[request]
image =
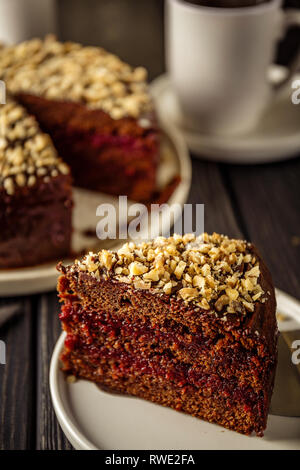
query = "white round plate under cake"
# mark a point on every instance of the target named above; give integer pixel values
(275, 137)
(94, 419)
(175, 160)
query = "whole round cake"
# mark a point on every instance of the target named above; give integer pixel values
(72, 112)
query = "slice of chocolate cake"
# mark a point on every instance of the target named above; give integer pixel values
(35, 193)
(96, 109)
(185, 322)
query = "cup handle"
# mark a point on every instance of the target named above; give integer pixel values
(291, 17)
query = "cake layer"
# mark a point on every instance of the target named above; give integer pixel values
(222, 356)
(128, 361)
(105, 154)
(227, 411)
(36, 223)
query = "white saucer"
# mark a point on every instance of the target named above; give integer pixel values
(94, 419)
(276, 136)
(175, 160)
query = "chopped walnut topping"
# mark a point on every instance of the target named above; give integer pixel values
(136, 268)
(168, 288)
(179, 269)
(27, 155)
(254, 272)
(152, 275)
(222, 300)
(107, 259)
(188, 293)
(249, 306)
(232, 294)
(138, 284)
(69, 71)
(212, 272)
(199, 281)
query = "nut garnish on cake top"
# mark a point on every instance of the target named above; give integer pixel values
(71, 72)
(212, 272)
(26, 153)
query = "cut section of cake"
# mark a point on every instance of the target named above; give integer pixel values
(35, 193)
(96, 108)
(187, 322)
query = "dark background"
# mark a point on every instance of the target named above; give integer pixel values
(116, 25)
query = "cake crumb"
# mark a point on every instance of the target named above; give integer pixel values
(71, 379)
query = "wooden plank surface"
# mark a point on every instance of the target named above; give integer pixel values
(268, 201)
(17, 376)
(208, 188)
(49, 434)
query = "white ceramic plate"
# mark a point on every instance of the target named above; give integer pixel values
(175, 160)
(94, 419)
(276, 136)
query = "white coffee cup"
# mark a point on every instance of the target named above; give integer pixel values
(24, 19)
(218, 60)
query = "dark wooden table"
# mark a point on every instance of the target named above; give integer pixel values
(260, 203)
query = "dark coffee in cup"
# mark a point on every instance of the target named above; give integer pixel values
(226, 3)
